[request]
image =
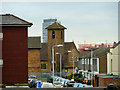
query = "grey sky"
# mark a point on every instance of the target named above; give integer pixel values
(94, 22)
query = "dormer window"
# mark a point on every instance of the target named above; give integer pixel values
(53, 34)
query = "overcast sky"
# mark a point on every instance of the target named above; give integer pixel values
(94, 22)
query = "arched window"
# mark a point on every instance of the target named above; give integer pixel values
(53, 34)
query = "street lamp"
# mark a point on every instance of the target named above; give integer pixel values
(73, 60)
(60, 63)
(53, 57)
(91, 64)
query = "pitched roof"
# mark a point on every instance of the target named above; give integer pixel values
(11, 20)
(116, 44)
(97, 53)
(34, 42)
(44, 52)
(55, 26)
(67, 47)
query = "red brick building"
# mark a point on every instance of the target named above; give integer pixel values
(14, 49)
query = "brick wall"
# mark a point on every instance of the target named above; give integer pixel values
(33, 60)
(56, 41)
(15, 55)
(104, 82)
(103, 64)
(47, 67)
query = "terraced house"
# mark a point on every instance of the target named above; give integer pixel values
(96, 65)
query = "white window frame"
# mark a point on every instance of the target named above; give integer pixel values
(1, 36)
(85, 61)
(91, 61)
(88, 61)
(82, 61)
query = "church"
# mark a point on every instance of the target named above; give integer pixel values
(56, 35)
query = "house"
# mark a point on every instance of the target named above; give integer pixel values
(14, 49)
(113, 60)
(56, 36)
(97, 66)
(113, 69)
(34, 46)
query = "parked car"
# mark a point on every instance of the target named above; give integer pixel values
(50, 80)
(32, 83)
(88, 86)
(47, 85)
(58, 84)
(65, 83)
(82, 85)
(77, 84)
(70, 83)
(31, 78)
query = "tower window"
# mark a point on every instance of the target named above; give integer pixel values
(53, 34)
(61, 34)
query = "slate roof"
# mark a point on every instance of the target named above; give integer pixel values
(97, 53)
(67, 47)
(11, 20)
(44, 52)
(34, 42)
(116, 44)
(55, 26)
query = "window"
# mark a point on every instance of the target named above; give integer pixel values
(91, 61)
(43, 66)
(1, 36)
(71, 59)
(85, 61)
(61, 34)
(94, 61)
(53, 34)
(82, 61)
(88, 61)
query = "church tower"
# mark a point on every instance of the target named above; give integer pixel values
(55, 37)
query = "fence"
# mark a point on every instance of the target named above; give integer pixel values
(46, 75)
(55, 89)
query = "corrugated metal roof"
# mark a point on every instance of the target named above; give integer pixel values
(34, 42)
(55, 25)
(11, 20)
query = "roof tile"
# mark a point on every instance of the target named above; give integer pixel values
(55, 25)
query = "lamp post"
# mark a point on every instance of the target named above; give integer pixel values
(91, 64)
(53, 57)
(91, 67)
(60, 63)
(73, 61)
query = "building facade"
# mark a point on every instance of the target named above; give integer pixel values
(56, 35)
(46, 23)
(14, 49)
(34, 46)
(96, 65)
(113, 60)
